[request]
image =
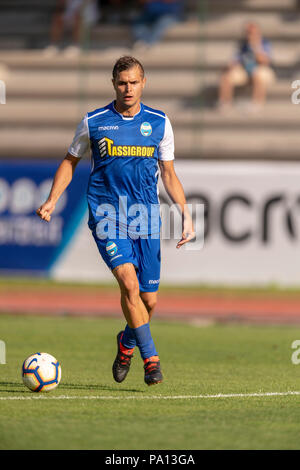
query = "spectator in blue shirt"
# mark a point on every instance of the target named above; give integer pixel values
(252, 64)
(156, 17)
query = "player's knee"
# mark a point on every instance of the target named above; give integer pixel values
(150, 304)
(130, 288)
(126, 277)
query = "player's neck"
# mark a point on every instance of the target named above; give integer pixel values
(127, 111)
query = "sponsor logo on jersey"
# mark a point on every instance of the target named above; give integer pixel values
(146, 129)
(111, 248)
(107, 147)
(102, 147)
(154, 281)
(108, 128)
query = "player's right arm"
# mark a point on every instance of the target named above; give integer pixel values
(61, 181)
(79, 148)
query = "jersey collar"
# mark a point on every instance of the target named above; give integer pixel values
(126, 118)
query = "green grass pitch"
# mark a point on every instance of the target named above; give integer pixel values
(196, 361)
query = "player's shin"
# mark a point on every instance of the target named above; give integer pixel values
(145, 341)
(149, 354)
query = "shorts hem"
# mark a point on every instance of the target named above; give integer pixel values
(123, 261)
(153, 288)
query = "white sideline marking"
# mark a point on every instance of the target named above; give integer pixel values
(154, 397)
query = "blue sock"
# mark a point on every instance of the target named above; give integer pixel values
(128, 339)
(144, 341)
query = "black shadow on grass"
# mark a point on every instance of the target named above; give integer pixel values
(14, 387)
(91, 387)
(17, 385)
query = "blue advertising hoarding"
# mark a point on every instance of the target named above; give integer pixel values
(27, 243)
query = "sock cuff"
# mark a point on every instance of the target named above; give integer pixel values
(144, 341)
(128, 339)
(125, 350)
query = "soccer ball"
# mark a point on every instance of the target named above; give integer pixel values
(41, 372)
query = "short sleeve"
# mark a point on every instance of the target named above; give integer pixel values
(166, 146)
(80, 146)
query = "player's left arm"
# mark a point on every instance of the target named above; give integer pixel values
(175, 191)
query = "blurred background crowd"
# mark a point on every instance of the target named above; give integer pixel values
(228, 65)
(149, 19)
(221, 69)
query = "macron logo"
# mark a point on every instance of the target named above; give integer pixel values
(108, 128)
(154, 281)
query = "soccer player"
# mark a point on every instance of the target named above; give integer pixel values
(128, 141)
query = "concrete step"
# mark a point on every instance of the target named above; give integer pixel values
(44, 114)
(97, 85)
(36, 35)
(274, 116)
(160, 56)
(273, 26)
(217, 54)
(251, 5)
(209, 55)
(247, 144)
(21, 5)
(25, 18)
(189, 143)
(245, 5)
(198, 28)
(52, 84)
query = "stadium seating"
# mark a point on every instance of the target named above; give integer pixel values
(46, 97)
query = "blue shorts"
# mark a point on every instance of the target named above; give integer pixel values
(143, 253)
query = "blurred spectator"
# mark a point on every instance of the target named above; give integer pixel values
(115, 9)
(155, 18)
(251, 65)
(71, 16)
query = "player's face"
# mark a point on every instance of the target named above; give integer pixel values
(129, 87)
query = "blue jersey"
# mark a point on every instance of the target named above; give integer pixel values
(124, 177)
(158, 8)
(247, 56)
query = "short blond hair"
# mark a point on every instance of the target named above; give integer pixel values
(125, 63)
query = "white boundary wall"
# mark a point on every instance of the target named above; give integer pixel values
(253, 229)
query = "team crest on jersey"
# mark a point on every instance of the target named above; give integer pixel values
(111, 248)
(146, 129)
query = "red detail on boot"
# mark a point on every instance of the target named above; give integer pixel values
(151, 359)
(124, 350)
